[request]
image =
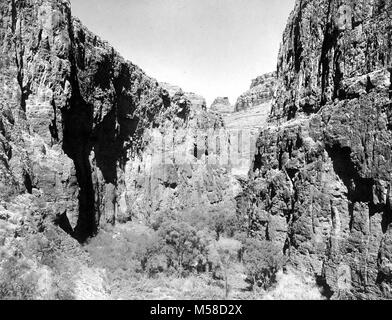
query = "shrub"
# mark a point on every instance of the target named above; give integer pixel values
(17, 280)
(292, 285)
(183, 246)
(46, 249)
(219, 220)
(150, 255)
(223, 221)
(157, 220)
(116, 254)
(262, 260)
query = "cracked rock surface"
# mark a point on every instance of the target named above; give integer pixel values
(320, 184)
(76, 119)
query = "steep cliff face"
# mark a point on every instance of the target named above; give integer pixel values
(261, 91)
(245, 120)
(321, 177)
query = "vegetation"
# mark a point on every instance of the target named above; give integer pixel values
(37, 268)
(292, 285)
(17, 280)
(208, 246)
(199, 255)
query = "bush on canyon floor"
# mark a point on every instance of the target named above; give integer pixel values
(176, 248)
(224, 222)
(47, 249)
(293, 285)
(184, 247)
(117, 252)
(263, 260)
(220, 220)
(17, 280)
(227, 250)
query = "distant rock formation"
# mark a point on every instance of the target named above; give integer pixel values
(261, 91)
(222, 105)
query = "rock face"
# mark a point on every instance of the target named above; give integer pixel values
(75, 119)
(261, 91)
(321, 177)
(184, 166)
(222, 105)
(247, 119)
(88, 139)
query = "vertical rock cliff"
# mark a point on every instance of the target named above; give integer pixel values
(222, 105)
(261, 91)
(73, 116)
(321, 177)
(87, 138)
(185, 166)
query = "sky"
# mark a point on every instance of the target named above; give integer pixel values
(209, 47)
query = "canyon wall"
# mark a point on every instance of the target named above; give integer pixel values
(247, 119)
(184, 167)
(76, 119)
(261, 91)
(320, 182)
(222, 105)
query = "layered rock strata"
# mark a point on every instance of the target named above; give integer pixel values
(222, 105)
(75, 118)
(321, 177)
(261, 91)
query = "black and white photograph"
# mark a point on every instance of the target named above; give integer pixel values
(195, 150)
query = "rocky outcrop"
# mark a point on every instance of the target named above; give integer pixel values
(321, 177)
(261, 91)
(74, 117)
(184, 167)
(222, 105)
(244, 121)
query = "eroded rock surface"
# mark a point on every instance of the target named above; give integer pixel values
(75, 118)
(184, 167)
(222, 105)
(261, 91)
(321, 177)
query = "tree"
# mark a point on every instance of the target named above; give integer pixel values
(262, 259)
(223, 221)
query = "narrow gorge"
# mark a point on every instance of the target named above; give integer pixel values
(93, 150)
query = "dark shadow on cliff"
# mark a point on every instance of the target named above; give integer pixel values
(77, 128)
(359, 189)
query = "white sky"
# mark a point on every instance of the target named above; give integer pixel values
(210, 47)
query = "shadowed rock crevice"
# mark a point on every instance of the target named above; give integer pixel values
(326, 289)
(77, 127)
(99, 128)
(298, 49)
(328, 48)
(359, 189)
(54, 130)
